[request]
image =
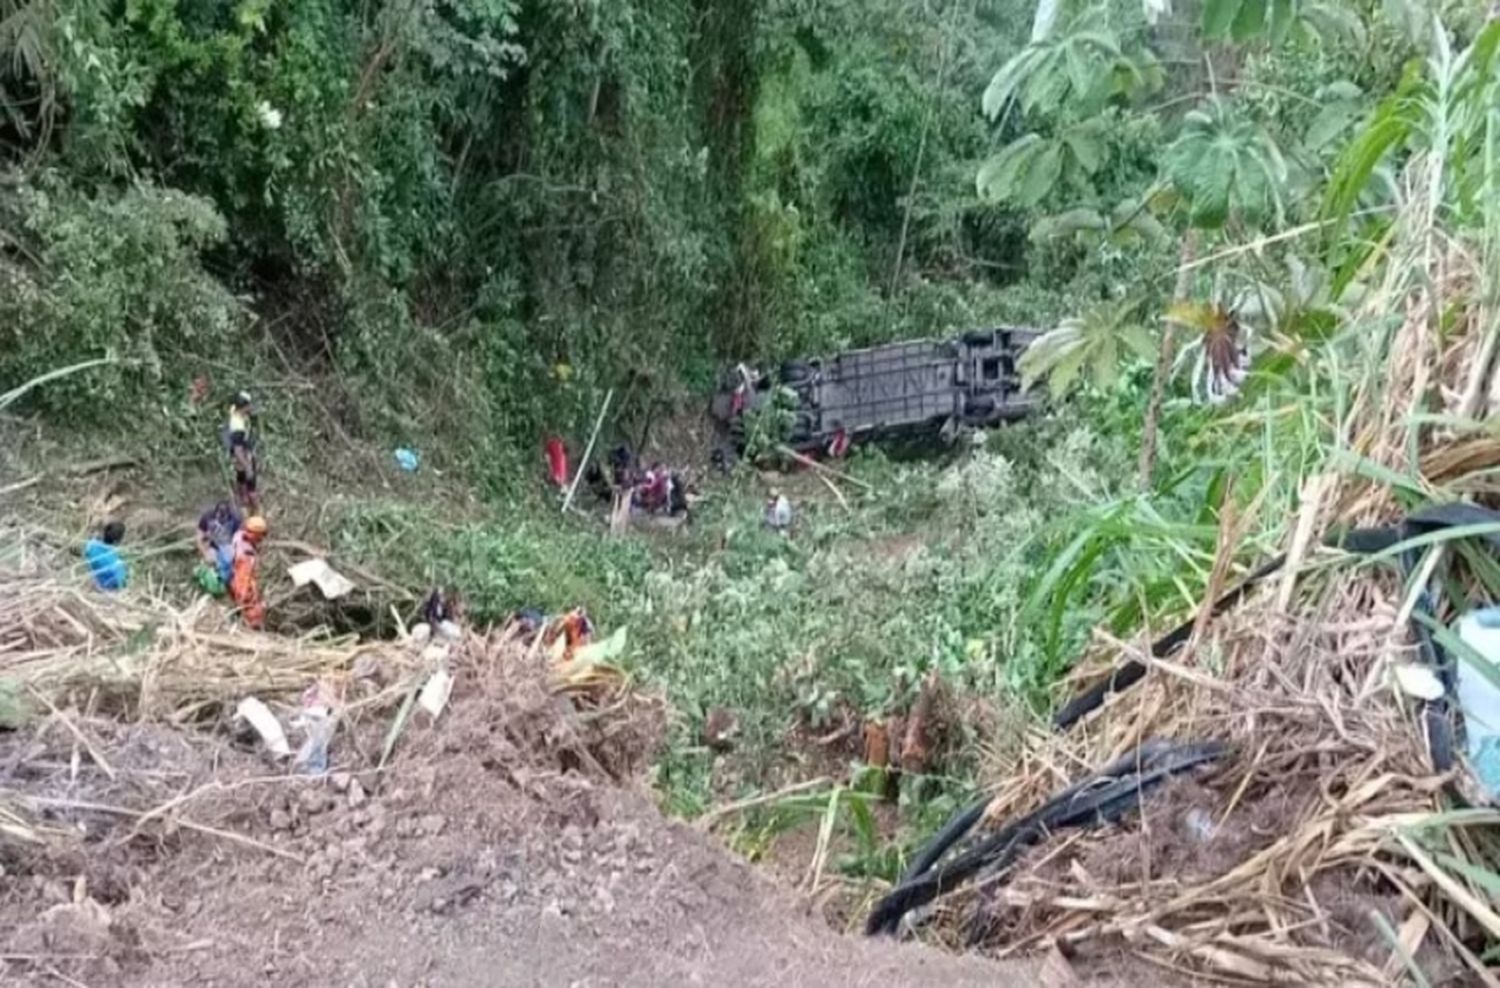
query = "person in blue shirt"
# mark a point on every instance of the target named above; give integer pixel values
(104, 560)
(215, 538)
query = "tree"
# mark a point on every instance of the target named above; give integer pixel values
(1222, 169)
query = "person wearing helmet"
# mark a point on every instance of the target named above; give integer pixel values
(243, 588)
(240, 439)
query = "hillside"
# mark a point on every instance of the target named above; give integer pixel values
(1184, 671)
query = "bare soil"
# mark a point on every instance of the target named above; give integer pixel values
(507, 844)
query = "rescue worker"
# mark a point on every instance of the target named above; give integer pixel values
(105, 564)
(243, 588)
(574, 630)
(214, 538)
(441, 612)
(778, 512)
(240, 439)
(653, 493)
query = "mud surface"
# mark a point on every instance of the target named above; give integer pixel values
(505, 844)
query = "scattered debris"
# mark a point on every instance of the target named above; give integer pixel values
(1478, 695)
(779, 514)
(318, 726)
(260, 717)
(330, 583)
(1418, 681)
(434, 695)
(720, 728)
(916, 746)
(563, 637)
(877, 752)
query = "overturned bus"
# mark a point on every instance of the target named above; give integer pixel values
(897, 391)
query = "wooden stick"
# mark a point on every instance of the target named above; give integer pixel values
(825, 834)
(21, 485)
(836, 492)
(208, 787)
(233, 838)
(88, 745)
(808, 461)
(118, 461)
(588, 450)
(707, 820)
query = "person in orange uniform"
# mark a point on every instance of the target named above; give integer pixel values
(243, 588)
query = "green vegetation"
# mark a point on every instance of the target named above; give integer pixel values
(467, 219)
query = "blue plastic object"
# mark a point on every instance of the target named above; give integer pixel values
(408, 460)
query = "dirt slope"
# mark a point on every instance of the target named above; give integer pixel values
(505, 844)
(581, 884)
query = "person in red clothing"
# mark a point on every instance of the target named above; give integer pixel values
(243, 588)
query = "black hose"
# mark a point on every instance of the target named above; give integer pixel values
(1112, 792)
(954, 830)
(1134, 671)
(1099, 798)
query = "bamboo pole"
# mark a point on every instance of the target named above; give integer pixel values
(588, 450)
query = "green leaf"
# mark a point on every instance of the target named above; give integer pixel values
(1133, 223)
(1341, 89)
(1044, 354)
(1001, 177)
(1218, 15)
(1039, 179)
(1139, 341)
(1090, 341)
(1087, 147)
(1081, 69)
(1358, 163)
(1335, 23)
(1283, 16)
(1067, 224)
(1332, 120)
(1104, 363)
(607, 650)
(1065, 372)
(1250, 21)
(1003, 87)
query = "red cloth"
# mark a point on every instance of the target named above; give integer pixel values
(557, 462)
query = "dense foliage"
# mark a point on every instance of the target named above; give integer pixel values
(507, 203)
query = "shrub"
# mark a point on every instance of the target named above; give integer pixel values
(117, 275)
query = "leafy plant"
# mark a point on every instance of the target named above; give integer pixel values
(1091, 346)
(1226, 165)
(115, 275)
(1082, 70)
(1276, 20)
(769, 425)
(1028, 168)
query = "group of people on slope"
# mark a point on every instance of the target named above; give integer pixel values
(227, 537)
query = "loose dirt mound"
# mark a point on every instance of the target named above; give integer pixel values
(505, 843)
